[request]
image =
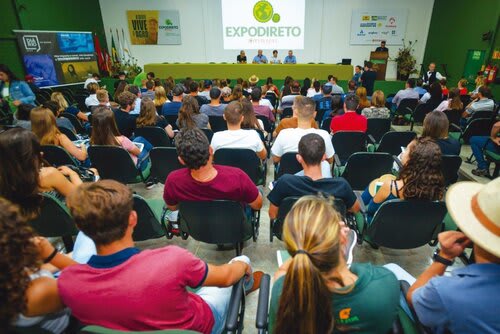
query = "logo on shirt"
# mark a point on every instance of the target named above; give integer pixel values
(263, 12)
(345, 317)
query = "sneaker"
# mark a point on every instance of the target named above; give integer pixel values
(481, 172)
(352, 237)
(257, 276)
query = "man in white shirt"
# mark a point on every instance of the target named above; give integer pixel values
(432, 75)
(408, 93)
(235, 136)
(483, 102)
(94, 78)
(336, 89)
(137, 92)
(288, 139)
(274, 59)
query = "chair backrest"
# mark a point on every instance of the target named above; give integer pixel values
(319, 115)
(481, 114)
(155, 135)
(148, 226)
(377, 127)
(217, 123)
(363, 167)
(421, 111)
(209, 133)
(325, 125)
(213, 222)
(172, 120)
(450, 167)
(272, 98)
(57, 156)
(80, 100)
(75, 122)
(346, 143)
(477, 127)
(392, 141)
(163, 161)
(268, 126)
(287, 112)
(65, 131)
(288, 164)
(454, 116)
(113, 162)
(54, 220)
(406, 103)
(244, 159)
(406, 224)
(465, 99)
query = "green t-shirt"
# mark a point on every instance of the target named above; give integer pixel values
(370, 307)
(138, 79)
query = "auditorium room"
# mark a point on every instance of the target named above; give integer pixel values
(249, 166)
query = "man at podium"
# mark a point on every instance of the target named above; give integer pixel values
(382, 47)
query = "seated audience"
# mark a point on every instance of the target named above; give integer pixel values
(292, 123)
(453, 102)
(351, 87)
(287, 100)
(22, 116)
(420, 178)
(138, 94)
(61, 121)
(480, 81)
(28, 288)
(258, 108)
(311, 154)
(324, 100)
(465, 300)
(226, 94)
(482, 102)
(250, 120)
(160, 97)
(95, 78)
(150, 90)
(121, 78)
(65, 107)
(23, 176)
(214, 108)
(434, 96)
(337, 107)
(444, 89)
(149, 117)
(207, 86)
(271, 86)
(462, 86)
(193, 91)
(350, 120)
(436, 126)
(368, 78)
(419, 89)
(125, 122)
(480, 143)
(91, 100)
(315, 89)
(408, 93)
(363, 100)
(235, 136)
(103, 98)
(104, 211)
(315, 291)
(306, 85)
(43, 125)
(377, 108)
(120, 89)
(237, 93)
(172, 109)
(332, 81)
(190, 115)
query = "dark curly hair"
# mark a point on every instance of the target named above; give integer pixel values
(192, 147)
(421, 175)
(19, 256)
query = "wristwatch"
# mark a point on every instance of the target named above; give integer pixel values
(438, 258)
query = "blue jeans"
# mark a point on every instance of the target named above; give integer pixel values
(477, 144)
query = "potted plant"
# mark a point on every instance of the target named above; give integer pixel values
(406, 61)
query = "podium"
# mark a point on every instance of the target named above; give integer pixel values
(379, 61)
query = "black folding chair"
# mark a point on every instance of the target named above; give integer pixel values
(244, 159)
(268, 125)
(75, 122)
(363, 167)
(217, 222)
(172, 120)
(377, 127)
(346, 143)
(148, 223)
(217, 123)
(392, 141)
(450, 167)
(271, 96)
(325, 125)
(155, 135)
(115, 163)
(70, 134)
(58, 156)
(406, 106)
(418, 115)
(476, 127)
(164, 160)
(209, 133)
(287, 112)
(288, 165)
(454, 116)
(54, 221)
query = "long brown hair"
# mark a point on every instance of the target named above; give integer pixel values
(104, 129)
(147, 116)
(311, 233)
(119, 89)
(188, 109)
(249, 119)
(436, 125)
(421, 174)
(44, 126)
(237, 93)
(455, 102)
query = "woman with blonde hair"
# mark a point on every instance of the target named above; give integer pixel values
(65, 107)
(377, 108)
(363, 100)
(149, 117)
(43, 125)
(160, 96)
(315, 291)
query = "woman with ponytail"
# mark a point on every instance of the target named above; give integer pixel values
(315, 291)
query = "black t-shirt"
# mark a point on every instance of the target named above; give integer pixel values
(368, 79)
(201, 100)
(291, 185)
(240, 59)
(449, 146)
(381, 49)
(125, 122)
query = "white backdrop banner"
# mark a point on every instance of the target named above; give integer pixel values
(369, 27)
(273, 24)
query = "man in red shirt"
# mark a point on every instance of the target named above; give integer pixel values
(350, 121)
(127, 289)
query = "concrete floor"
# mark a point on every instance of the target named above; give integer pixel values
(263, 252)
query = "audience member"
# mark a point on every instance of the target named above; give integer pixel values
(453, 102)
(160, 97)
(350, 120)
(419, 89)
(235, 136)
(61, 121)
(315, 291)
(480, 143)
(258, 108)
(287, 100)
(193, 91)
(408, 93)
(17, 90)
(22, 118)
(480, 81)
(150, 90)
(315, 89)
(91, 100)
(433, 97)
(237, 93)
(120, 89)
(363, 99)
(104, 211)
(259, 58)
(172, 109)
(290, 59)
(436, 126)
(190, 115)
(65, 107)
(368, 78)
(306, 84)
(250, 120)
(149, 117)
(462, 86)
(207, 86)
(95, 78)
(103, 98)
(137, 93)
(215, 107)
(482, 102)
(324, 100)
(272, 87)
(444, 89)
(226, 95)
(351, 87)
(377, 108)
(332, 81)
(124, 120)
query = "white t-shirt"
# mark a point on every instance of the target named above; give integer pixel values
(288, 141)
(91, 100)
(266, 102)
(444, 105)
(89, 81)
(426, 97)
(312, 92)
(248, 139)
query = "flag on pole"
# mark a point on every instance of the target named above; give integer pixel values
(107, 60)
(120, 47)
(126, 45)
(98, 51)
(114, 53)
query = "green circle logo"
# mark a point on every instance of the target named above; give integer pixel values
(263, 12)
(276, 18)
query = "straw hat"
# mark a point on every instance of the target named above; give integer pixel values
(475, 208)
(383, 178)
(253, 79)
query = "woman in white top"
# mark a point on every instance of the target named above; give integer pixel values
(315, 89)
(453, 102)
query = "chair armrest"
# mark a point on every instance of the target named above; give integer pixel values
(398, 162)
(234, 319)
(456, 127)
(409, 109)
(261, 321)
(372, 139)
(337, 160)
